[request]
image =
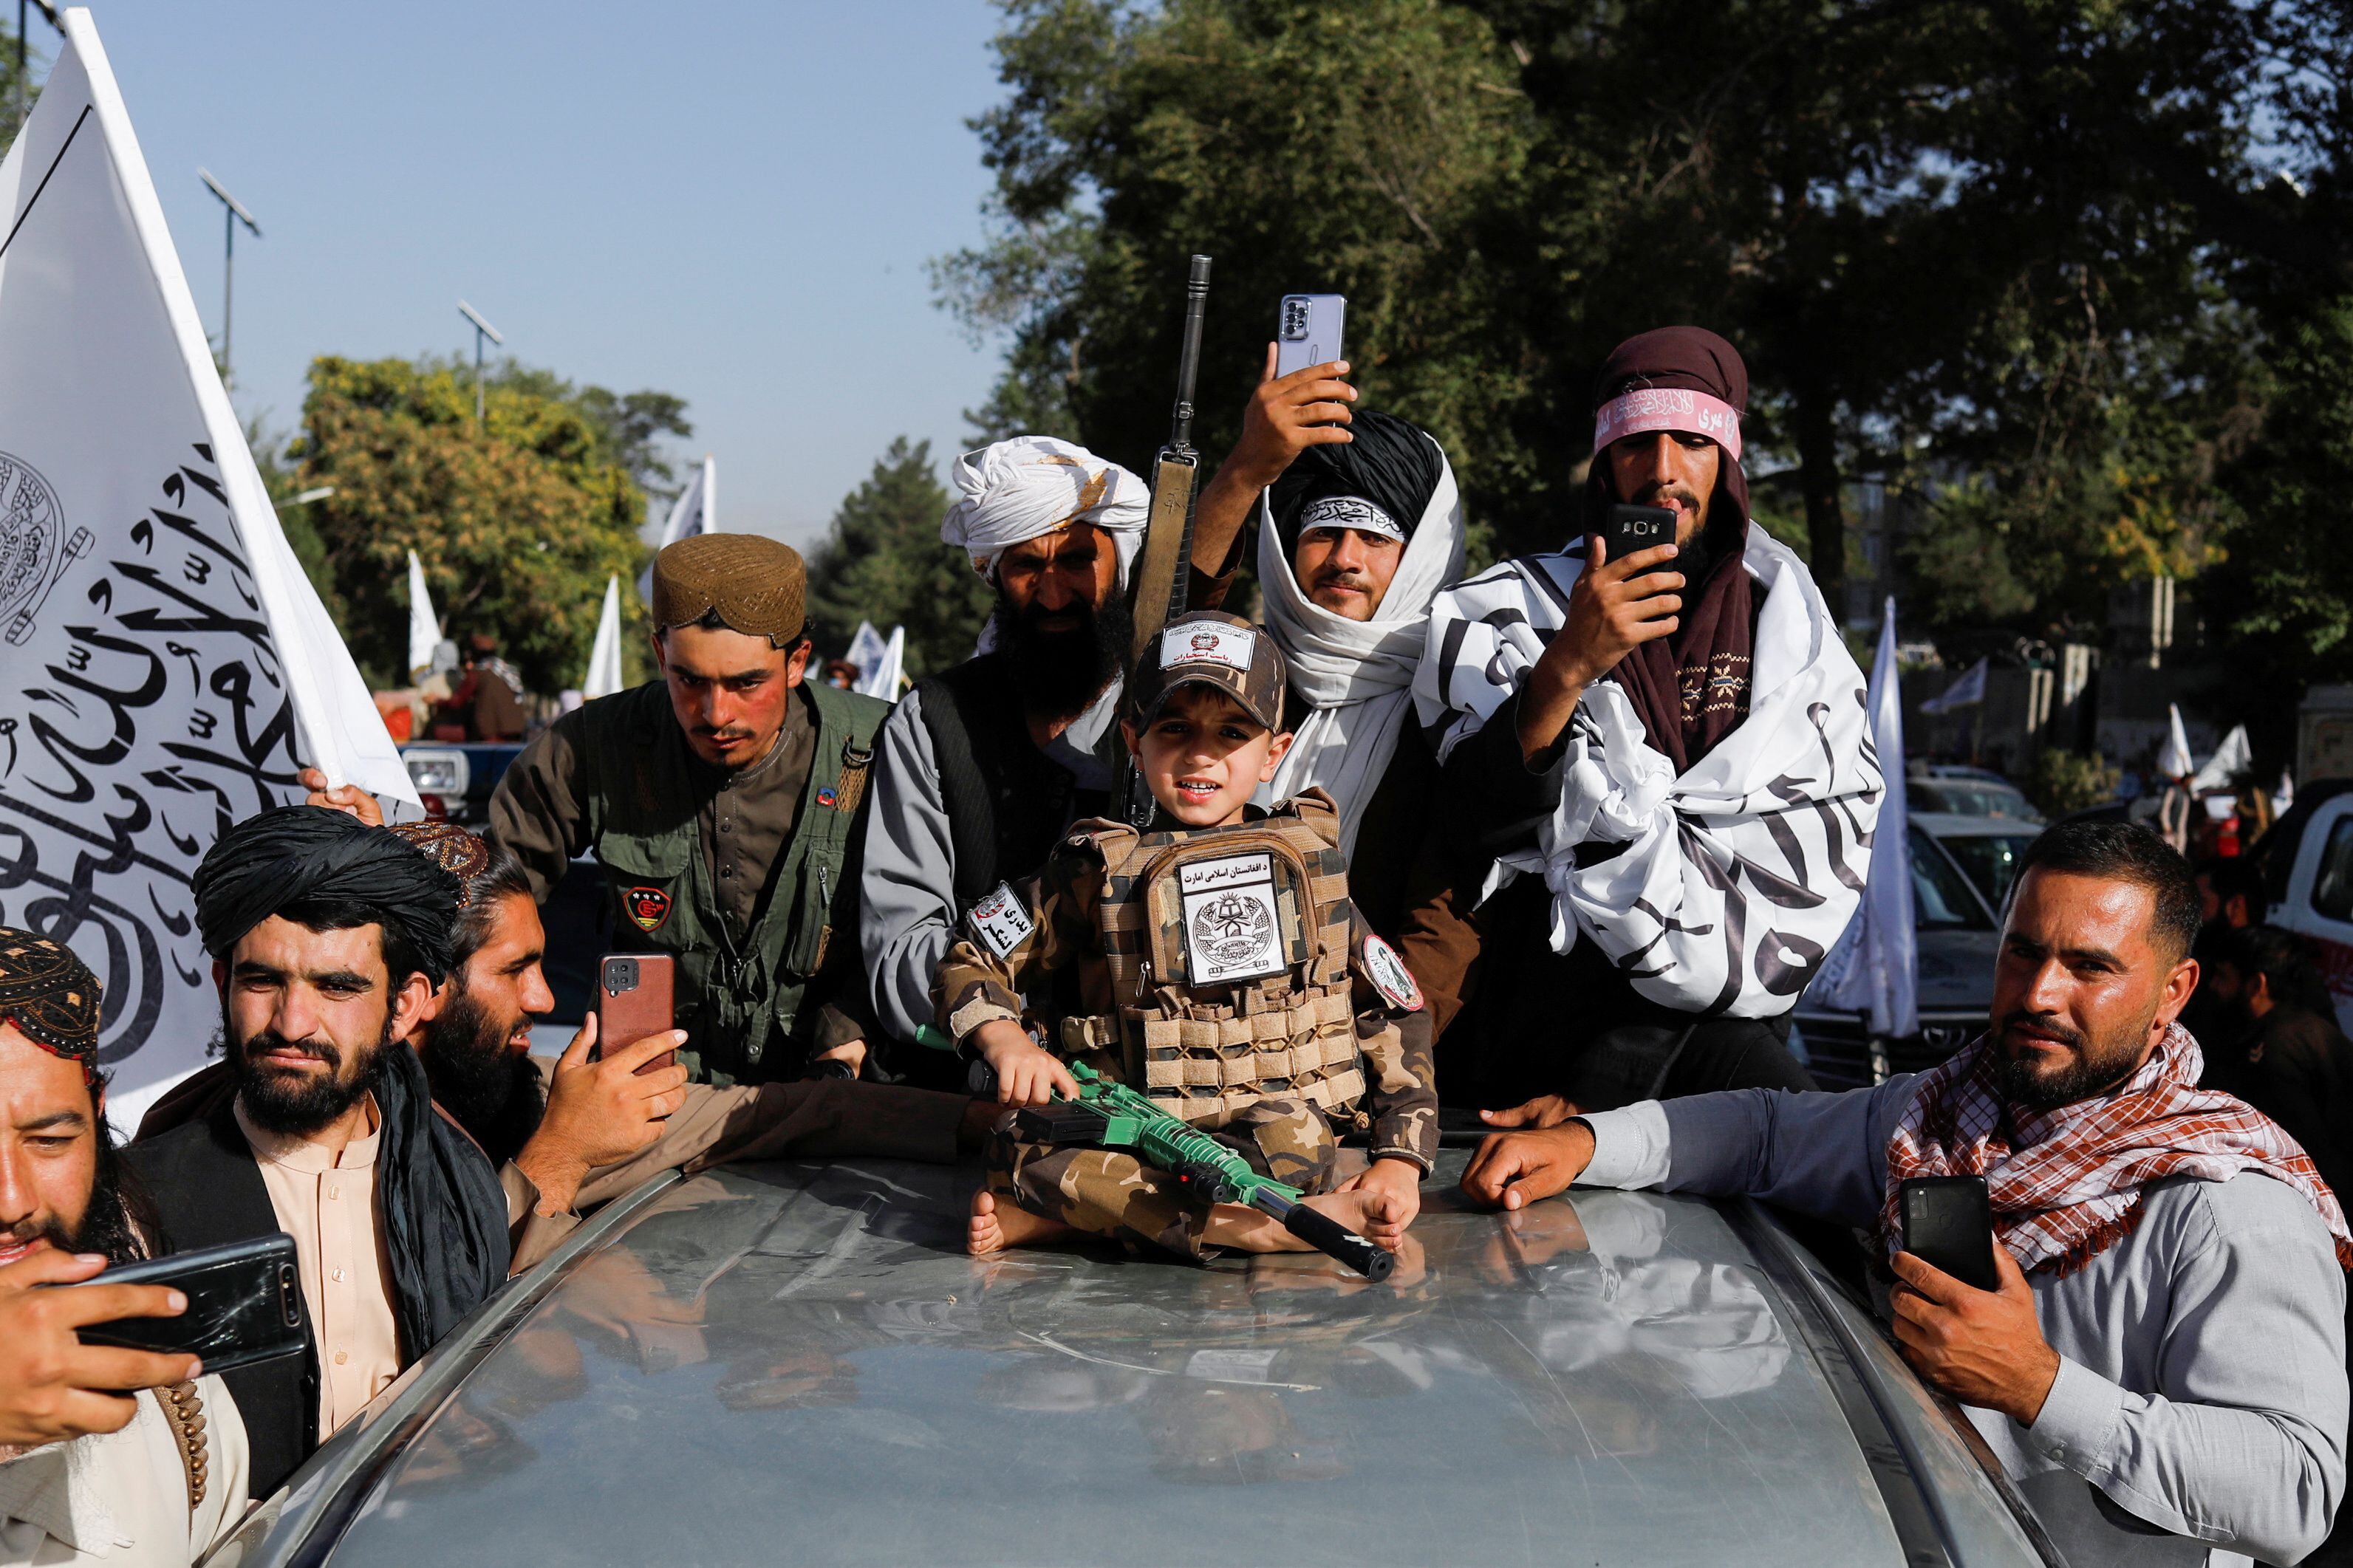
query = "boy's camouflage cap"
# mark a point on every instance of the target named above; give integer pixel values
(1209, 648)
(756, 584)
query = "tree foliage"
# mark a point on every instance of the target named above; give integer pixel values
(881, 560)
(519, 520)
(2016, 257)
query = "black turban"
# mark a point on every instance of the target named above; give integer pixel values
(298, 855)
(1390, 463)
(50, 997)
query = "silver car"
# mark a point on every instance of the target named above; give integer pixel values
(796, 1363)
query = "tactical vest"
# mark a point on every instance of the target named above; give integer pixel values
(1007, 803)
(739, 1001)
(1229, 953)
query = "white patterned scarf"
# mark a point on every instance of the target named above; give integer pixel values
(1718, 891)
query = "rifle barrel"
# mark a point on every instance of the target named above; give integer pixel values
(1189, 361)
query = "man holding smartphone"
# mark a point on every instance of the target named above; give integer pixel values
(125, 1454)
(1669, 752)
(2168, 1325)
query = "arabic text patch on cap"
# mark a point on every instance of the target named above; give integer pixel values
(1211, 648)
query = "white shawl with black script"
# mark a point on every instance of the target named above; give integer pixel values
(1717, 892)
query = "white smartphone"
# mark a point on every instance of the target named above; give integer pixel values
(1307, 331)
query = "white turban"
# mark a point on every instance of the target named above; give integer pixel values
(1031, 485)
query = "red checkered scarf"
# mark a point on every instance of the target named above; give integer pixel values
(2068, 1185)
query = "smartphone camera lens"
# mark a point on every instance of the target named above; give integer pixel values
(1294, 320)
(620, 974)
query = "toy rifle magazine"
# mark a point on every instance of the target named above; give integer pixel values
(1112, 1116)
(1163, 571)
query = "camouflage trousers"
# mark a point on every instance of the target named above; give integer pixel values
(1110, 1192)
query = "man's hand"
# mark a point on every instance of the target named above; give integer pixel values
(1026, 1073)
(1543, 1111)
(599, 1113)
(1983, 1347)
(852, 1052)
(1283, 417)
(347, 798)
(54, 1387)
(1513, 1170)
(1614, 607)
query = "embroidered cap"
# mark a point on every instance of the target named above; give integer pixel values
(51, 998)
(756, 584)
(1209, 648)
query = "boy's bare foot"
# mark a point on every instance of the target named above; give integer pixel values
(993, 1228)
(1380, 1216)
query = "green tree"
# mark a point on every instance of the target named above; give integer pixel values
(519, 520)
(881, 560)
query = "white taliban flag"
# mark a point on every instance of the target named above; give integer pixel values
(691, 515)
(882, 680)
(424, 626)
(604, 677)
(1970, 687)
(2233, 757)
(2174, 761)
(1874, 968)
(167, 667)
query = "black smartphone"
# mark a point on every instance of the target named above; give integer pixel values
(1632, 528)
(245, 1303)
(1949, 1223)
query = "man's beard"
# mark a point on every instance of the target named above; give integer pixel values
(2094, 1068)
(493, 1091)
(297, 1105)
(1063, 672)
(106, 1226)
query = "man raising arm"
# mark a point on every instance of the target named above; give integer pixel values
(2171, 1322)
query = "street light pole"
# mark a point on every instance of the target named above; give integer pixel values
(482, 329)
(232, 214)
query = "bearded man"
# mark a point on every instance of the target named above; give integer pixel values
(105, 1453)
(722, 801)
(2169, 1326)
(1669, 754)
(1360, 526)
(983, 767)
(328, 939)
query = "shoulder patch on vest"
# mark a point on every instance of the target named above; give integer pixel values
(1001, 922)
(647, 908)
(1389, 975)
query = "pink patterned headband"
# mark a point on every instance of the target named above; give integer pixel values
(1679, 408)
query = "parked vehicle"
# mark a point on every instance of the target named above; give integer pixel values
(455, 779)
(2306, 860)
(1956, 933)
(1968, 792)
(797, 1363)
(1987, 848)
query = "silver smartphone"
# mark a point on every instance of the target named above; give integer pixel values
(1307, 330)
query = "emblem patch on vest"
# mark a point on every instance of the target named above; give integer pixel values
(825, 796)
(1232, 933)
(645, 906)
(1001, 922)
(1389, 975)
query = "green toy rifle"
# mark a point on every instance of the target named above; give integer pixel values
(1113, 1116)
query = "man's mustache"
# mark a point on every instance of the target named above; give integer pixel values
(269, 1041)
(1653, 494)
(2045, 1024)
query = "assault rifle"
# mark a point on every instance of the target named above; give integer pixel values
(1163, 571)
(1112, 1116)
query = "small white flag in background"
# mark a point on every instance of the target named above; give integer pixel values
(1970, 687)
(691, 514)
(424, 629)
(2173, 761)
(882, 680)
(1874, 967)
(167, 667)
(604, 677)
(865, 650)
(2234, 757)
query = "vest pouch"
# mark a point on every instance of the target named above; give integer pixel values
(1211, 937)
(646, 880)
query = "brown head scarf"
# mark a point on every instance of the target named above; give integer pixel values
(1691, 687)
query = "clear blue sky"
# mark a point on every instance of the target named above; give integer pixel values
(731, 201)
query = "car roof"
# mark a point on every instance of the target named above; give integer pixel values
(1959, 824)
(794, 1361)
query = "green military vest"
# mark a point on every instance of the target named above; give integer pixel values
(740, 1004)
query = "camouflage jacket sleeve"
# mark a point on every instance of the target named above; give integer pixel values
(1393, 1030)
(1016, 936)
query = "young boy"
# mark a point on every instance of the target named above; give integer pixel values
(1214, 962)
